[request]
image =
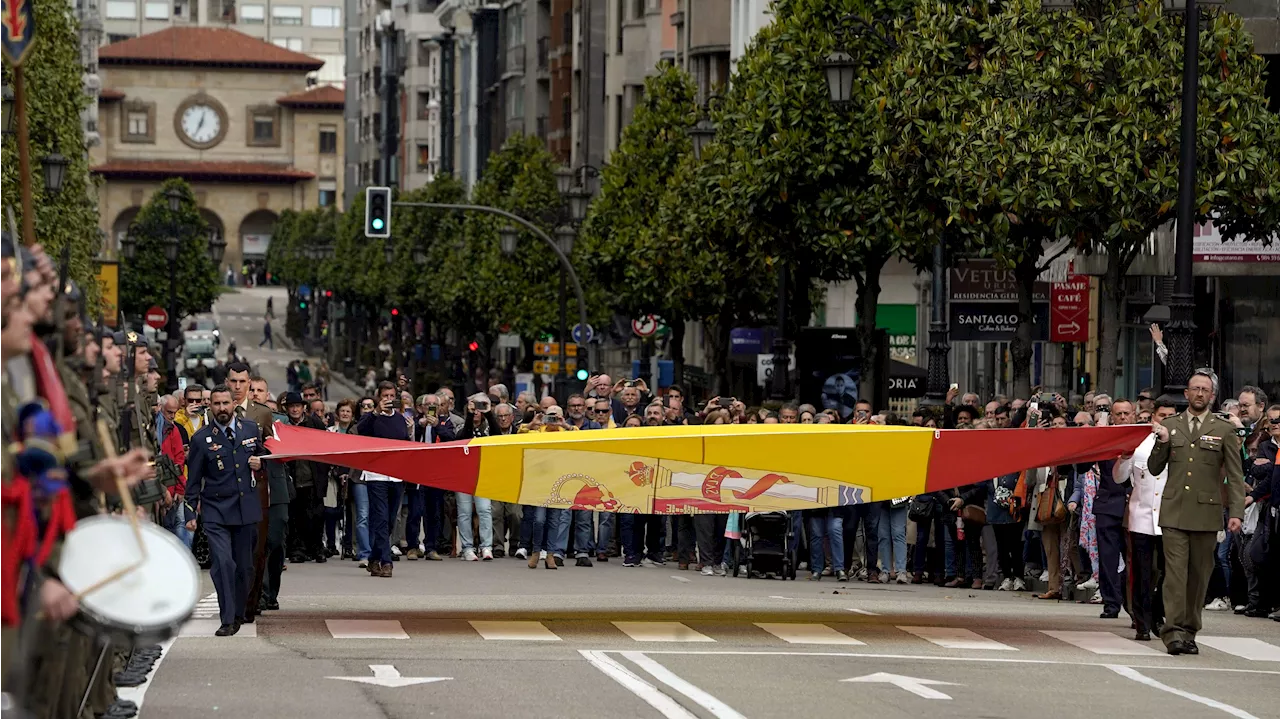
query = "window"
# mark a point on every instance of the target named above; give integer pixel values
(138, 122)
(637, 9)
(328, 191)
(326, 17)
(424, 104)
(122, 10)
(118, 37)
(157, 10)
(515, 100)
(566, 28)
(515, 26)
(286, 15)
(424, 157)
(617, 119)
(620, 14)
(328, 139)
(566, 112)
(264, 126)
(253, 14)
(289, 43)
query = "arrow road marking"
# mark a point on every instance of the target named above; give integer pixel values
(919, 687)
(386, 675)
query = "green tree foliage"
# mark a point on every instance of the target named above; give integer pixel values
(1066, 126)
(144, 280)
(55, 99)
(828, 190)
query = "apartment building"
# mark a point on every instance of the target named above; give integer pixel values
(640, 34)
(421, 39)
(704, 43)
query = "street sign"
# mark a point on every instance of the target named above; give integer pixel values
(645, 326)
(552, 349)
(764, 367)
(552, 367)
(1069, 310)
(583, 334)
(156, 317)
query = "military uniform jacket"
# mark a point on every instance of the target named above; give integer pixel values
(1204, 474)
(218, 474)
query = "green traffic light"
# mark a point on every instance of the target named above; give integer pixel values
(582, 375)
(302, 305)
(377, 223)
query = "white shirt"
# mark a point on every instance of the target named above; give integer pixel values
(1143, 515)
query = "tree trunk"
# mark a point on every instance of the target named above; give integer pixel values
(872, 383)
(718, 341)
(1020, 347)
(675, 348)
(1110, 312)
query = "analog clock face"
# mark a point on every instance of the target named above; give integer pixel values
(201, 123)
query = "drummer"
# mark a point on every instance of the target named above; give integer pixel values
(222, 487)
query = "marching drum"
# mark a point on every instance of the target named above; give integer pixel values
(145, 605)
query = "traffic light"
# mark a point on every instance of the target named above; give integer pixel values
(582, 374)
(377, 212)
(302, 304)
(474, 346)
(395, 312)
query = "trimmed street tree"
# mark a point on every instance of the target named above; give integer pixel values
(144, 280)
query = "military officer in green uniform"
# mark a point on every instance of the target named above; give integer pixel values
(1202, 453)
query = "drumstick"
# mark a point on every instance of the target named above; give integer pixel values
(127, 498)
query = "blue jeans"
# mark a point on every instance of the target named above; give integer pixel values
(483, 508)
(640, 535)
(527, 521)
(384, 506)
(425, 504)
(604, 533)
(868, 515)
(558, 521)
(893, 537)
(826, 524)
(175, 520)
(584, 532)
(360, 494)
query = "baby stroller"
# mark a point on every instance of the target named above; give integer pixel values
(767, 545)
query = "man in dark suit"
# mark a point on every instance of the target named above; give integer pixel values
(221, 485)
(1114, 483)
(1202, 453)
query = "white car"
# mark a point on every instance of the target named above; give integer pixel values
(202, 328)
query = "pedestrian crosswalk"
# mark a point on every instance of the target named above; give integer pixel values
(872, 637)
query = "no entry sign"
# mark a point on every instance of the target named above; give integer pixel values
(156, 317)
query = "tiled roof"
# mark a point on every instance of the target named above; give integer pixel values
(323, 96)
(204, 46)
(108, 94)
(264, 172)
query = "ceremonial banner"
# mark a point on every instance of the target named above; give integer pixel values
(18, 19)
(712, 468)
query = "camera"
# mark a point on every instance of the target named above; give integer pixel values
(482, 405)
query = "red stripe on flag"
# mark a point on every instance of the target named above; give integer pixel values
(963, 456)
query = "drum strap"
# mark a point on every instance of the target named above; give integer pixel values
(19, 543)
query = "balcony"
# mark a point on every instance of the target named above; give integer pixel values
(515, 60)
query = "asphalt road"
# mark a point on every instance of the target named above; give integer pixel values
(498, 639)
(240, 314)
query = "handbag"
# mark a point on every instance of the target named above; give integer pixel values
(1050, 509)
(922, 508)
(973, 513)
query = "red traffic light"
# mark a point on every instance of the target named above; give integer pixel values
(328, 293)
(474, 346)
(395, 312)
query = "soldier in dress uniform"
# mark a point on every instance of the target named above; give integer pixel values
(1202, 453)
(221, 484)
(240, 382)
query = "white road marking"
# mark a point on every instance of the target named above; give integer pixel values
(138, 693)
(661, 632)
(718, 709)
(778, 596)
(808, 634)
(855, 610)
(205, 628)
(647, 692)
(514, 631)
(1244, 647)
(365, 629)
(386, 675)
(954, 638)
(1102, 643)
(915, 685)
(679, 578)
(1131, 673)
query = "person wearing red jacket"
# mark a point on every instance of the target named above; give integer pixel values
(174, 442)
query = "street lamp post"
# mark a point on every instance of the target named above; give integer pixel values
(171, 246)
(937, 381)
(1180, 332)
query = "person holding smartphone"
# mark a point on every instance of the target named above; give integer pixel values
(479, 423)
(384, 492)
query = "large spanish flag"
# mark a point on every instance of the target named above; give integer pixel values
(712, 468)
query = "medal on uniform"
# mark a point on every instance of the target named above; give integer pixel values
(220, 465)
